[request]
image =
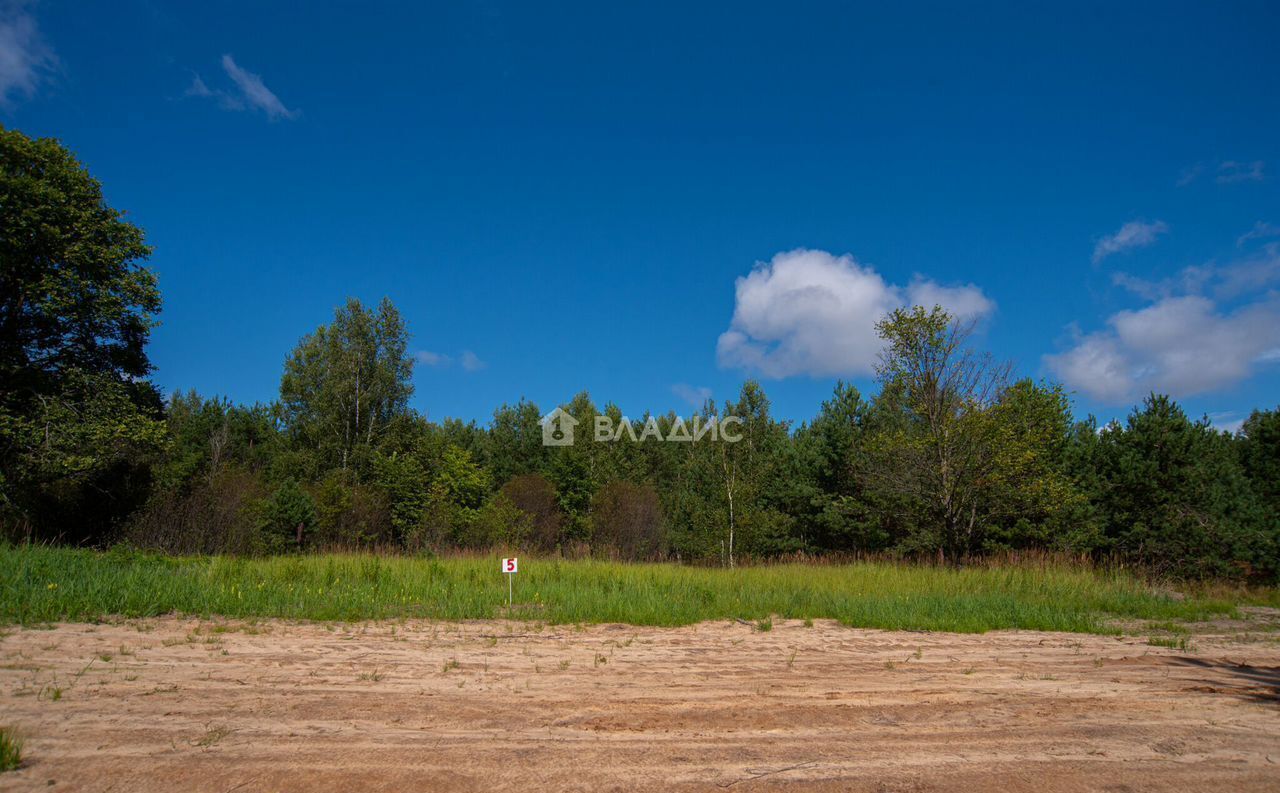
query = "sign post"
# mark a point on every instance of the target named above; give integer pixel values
(509, 567)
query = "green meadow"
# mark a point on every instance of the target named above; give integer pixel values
(41, 584)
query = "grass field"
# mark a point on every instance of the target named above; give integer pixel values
(43, 584)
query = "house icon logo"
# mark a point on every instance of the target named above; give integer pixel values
(557, 428)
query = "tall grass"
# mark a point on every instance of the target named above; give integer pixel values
(42, 584)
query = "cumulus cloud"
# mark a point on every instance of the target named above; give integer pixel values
(694, 395)
(471, 362)
(1230, 171)
(1134, 234)
(250, 93)
(1245, 277)
(1203, 331)
(25, 58)
(808, 312)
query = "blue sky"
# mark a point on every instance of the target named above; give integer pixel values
(655, 203)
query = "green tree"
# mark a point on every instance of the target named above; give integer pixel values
(77, 416)
(728, 495)
(515, 441)
(345, 384)
(1175, 497)
(960, 451)
(286, 516)
(1260, 453)
(832, 506)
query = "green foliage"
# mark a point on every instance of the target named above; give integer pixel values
(952, 458)
(1260, 455)
(346, 383)
(465, 483)
(404, 482)
(73, 295)
(78, 421)
(351, 515)
(499, 524)
(206, 434)
(1173, 495)
(286, 517)
(964, 459)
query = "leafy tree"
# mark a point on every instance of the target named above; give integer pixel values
(453, 500)
(74, 295)
(77, 416)
(206, 434)
(403, 480)
(515, 441)
(1028, 491)
(729, 495)
(960, 450)
(346, 383)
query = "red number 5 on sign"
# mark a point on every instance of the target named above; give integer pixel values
(508, 565)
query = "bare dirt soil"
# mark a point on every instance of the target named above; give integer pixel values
(173, 704)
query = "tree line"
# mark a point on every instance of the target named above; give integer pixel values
(953, 457)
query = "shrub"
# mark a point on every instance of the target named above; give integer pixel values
(535, 496)
(349, 515)
(285, 517)
(213, 517)
(627, 521)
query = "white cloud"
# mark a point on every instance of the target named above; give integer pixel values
(1134, 234)
(1260, 231)
(198, 88)
(1227, 421)
(1231, 171)
(694, 395)
(1190, 174)
(256, 92)
(25, 58)
(1180, 344)
(1227, 172)
(1246, 277)
(807, 312)
(428, 358)
(467, 359)
(251, 93)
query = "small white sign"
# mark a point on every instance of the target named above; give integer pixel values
(509, 565)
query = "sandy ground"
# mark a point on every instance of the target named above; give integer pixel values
(172, 704)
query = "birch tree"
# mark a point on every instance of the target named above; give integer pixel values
(346, 382)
